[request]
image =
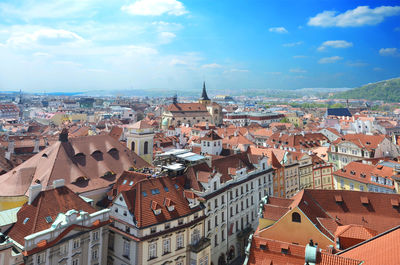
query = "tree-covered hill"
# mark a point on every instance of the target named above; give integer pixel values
(387, 90)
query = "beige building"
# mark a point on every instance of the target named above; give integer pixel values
(178, 114)
(140, 139)
(353, 147)
(305, 170)
(57, 226)
(156, 222)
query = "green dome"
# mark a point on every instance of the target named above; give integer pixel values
(165, 122)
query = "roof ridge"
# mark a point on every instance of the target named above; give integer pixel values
(37, 212)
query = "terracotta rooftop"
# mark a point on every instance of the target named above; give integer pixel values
(265, 251)
(49, 203)
(369, 142)
(187, 107)
(381, 249)
(211, 136)
(346, 208)
(149, 194)
(82, 162)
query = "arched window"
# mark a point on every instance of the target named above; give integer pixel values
(133, 146)
(146, 148)
(296, 217)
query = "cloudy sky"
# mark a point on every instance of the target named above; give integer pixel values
(78, 45)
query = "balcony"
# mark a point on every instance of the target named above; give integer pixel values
(201, 245)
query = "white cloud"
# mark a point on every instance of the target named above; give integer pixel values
(280, 30)
(335, 44)
(332, 59)
(155, 8)
(41, 54)
(377, 69)
(389, 52)
(234, 70)
(297, 70)
(211, 65)
(44, 36)
(176, 61)
(28, 10)
(166, 37)
(292, 44)
(139, 50)
(360, 16)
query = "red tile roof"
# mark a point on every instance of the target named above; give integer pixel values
(81, 162)
(187, 107)
(382, 249)
(369, 142)
(152, 193)
(320, 205)
(47, 203)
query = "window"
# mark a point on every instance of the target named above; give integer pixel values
(216, 220)
(223, 234)
(95, 236)
(209, 224)
(296, 217)
(146, 148)
(195, 236)
(216, 240)
(63, 249)
(111, 241)
(342, 183)
(133, 146)
(179, 241)
(166, 246)
(216, 203)
(95, 254)
(153, 230)
(75, 262)
(127, 249)
(41, 258)
(215, 185)
(77, 243)
(351, 186)
(153, 250)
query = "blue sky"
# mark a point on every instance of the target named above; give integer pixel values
(76, 45)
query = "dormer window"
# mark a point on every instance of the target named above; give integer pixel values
(155, 207)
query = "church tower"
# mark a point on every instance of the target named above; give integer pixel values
(140, 139)
(204, 97)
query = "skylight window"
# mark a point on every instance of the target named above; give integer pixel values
(48, 219)
(155, 191)
(144, 194)
(166, 189)
(26, 220)
(176, 186)
(123, 183)
(131, 183)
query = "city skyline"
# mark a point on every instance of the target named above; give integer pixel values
(169, 44)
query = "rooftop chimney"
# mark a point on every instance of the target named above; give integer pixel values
(58, 183)
(34, 191)
(63, 137)
(37, 145)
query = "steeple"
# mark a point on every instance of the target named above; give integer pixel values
(204, 94)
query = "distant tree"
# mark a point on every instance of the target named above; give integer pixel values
(336, 106)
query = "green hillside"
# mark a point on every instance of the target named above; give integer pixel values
(388, 90)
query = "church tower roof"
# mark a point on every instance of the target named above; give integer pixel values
(204, 95)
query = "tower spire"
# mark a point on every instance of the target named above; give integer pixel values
(204, 95)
